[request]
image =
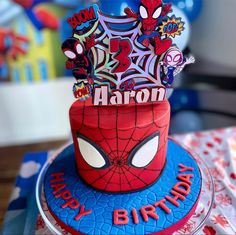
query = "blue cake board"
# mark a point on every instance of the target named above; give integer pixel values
(102, 204)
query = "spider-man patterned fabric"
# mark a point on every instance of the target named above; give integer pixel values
(218, 149)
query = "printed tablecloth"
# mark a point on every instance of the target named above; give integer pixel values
(217, 148)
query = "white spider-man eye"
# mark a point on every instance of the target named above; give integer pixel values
(69, 54)
(79, 48)
(177, 58)
(157, 13)
(143, 12)
(92, 154)
(144, 153)
(169, 58)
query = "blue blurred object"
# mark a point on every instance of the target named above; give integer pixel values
(116, 8)
(29, 11)
(184, 99)
(186, 121)
(192, 8)
(66, 3)
(182, 40)
(183, 120)
(4, 71)
(22, 211)
(65, 30)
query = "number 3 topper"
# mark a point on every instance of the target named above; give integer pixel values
(121, 48)
(118, 57)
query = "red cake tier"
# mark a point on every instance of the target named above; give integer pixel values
(120, 148)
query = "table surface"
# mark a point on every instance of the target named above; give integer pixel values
(10, 168)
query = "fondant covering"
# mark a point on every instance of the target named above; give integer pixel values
(120, 148)
(162, 208)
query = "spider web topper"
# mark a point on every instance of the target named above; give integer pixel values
(112, 55)
(144, 68)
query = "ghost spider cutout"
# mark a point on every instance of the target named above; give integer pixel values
(172, 64)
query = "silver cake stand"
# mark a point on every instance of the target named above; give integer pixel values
(193, 226)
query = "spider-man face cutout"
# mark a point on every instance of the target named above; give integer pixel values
(98, 159)
(121, 148)
(174, 57)
(75, 52)
(150, 11)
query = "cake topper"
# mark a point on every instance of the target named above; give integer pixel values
(82, 21)
(120, 60)
(151, 14)
(171, 27)
(80, 62)
(173, 63)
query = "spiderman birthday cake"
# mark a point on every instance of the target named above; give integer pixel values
(122, 174)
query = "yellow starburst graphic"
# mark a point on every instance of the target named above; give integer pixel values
(82, 91)
(172, 27)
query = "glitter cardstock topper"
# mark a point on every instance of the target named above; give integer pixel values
(120, 60)
(172, 27)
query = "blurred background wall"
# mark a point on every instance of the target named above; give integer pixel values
(35, 88)
(214, 37)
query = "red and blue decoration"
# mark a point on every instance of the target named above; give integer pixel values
(78, 57)
(151, 14)
(172, 27)
(40, 17)
(11, 45)
(162, 208)
(84, 18)
(128, 85)
(100, 53)
(79, 61)
(82, 91)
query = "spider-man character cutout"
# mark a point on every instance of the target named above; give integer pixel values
(120, 148)
(79, 58)
(151, 14)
